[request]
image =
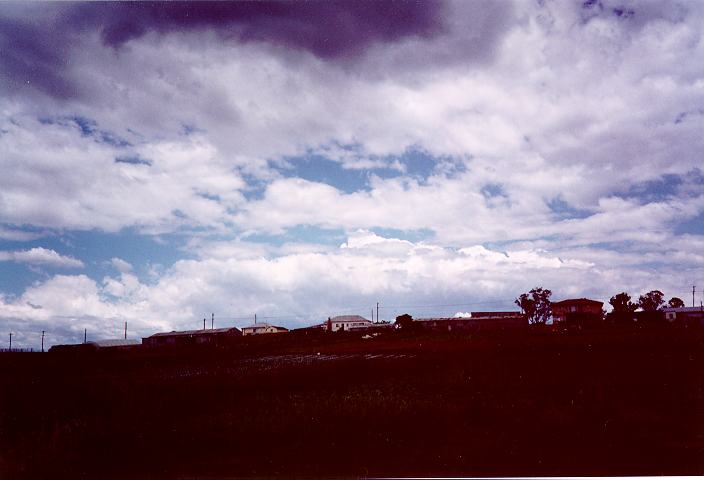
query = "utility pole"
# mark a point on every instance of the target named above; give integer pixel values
(694, 288)
(377, 311)
(255, 318)
(85, 335)
(204, 324)
(212, 321)
(125, 330)
(42, 340)
(10, 341)
(373, 316)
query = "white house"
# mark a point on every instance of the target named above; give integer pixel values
(347, 323)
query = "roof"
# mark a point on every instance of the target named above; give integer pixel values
(349, 318)
(683, 309)
(115, 342)
(210, 331)
(572, 301)
(264, 325)
(495, 314)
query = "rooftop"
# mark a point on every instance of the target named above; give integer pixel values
(208, 331)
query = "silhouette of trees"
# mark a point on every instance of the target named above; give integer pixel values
(404, 322)
(536, 305)
(651, 301)
(675, 302)
(623, 308)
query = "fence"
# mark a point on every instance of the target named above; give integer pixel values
(13, 350)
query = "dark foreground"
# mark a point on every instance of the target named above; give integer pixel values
(613, 402)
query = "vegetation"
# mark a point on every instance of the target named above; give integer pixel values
(675, 302)
(651, 301)
(536, 305)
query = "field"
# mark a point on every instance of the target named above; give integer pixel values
(609, 402)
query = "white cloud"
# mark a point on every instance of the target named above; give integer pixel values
(41, 256)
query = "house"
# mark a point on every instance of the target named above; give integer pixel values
(116, 344)
(192, 337)
(577, 311)
(347, 323)
(478, 321)
(690, 316)
(262, 328)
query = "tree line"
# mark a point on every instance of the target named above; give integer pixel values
(536, 305)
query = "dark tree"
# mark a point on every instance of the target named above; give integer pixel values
(675, 302)
(623, 308)
(536, 305)
(621, 303)
(404, 321)
(651, 301)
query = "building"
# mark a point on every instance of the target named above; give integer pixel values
(347, 323)
(116, 344)
(577, 311)
(192, 337)
(690, 316)
(262, 328)
(478, 321)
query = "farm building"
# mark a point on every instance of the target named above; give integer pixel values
(262, 328)
(580, 311)
(478, 321)
(96, 345)
(347, 323)
(191, 337)
(685, 315)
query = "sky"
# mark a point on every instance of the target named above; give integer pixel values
(160, 163)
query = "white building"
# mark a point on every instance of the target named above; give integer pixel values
(686, 315)
(347, 323)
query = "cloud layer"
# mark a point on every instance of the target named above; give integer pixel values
(460, 152)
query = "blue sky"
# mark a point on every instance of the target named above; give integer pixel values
(298, 160)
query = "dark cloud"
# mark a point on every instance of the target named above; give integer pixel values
(35, 50)
(329, 29)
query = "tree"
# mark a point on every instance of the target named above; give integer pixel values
(623, 308)
(651, 301)
(621, 303)
(536, 305)
(676, 302)
(404, 322)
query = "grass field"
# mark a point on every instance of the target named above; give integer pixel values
(607, 402)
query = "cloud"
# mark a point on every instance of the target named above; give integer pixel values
(41, 256)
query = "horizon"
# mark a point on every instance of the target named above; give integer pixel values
(162, 163)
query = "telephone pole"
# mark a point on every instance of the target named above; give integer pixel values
(42, 340)
(10, 341)
(694, 288)
(377, 311)
(204, 324)
(85, 335)
(125, 330)
(212, 321)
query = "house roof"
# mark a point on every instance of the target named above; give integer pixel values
(349, 318)
(578, 301)
(683, 309)
(115, 342)
(210, 331)
(264, 325)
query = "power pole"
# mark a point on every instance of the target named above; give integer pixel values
(85, 335)
(10, 341)
(204, 324)
(212, 321)
(42, 340)
(125, 330)
(377, 311)
(373, 316)
(694, 288)
(255, 318)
